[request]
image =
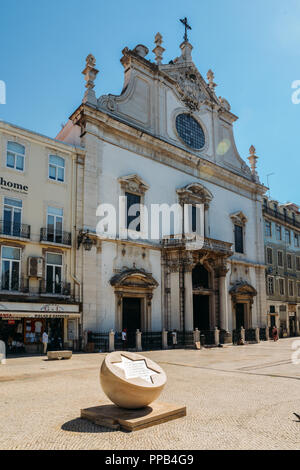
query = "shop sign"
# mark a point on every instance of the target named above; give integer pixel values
(13, 186)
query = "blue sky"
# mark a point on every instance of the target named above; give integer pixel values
(253, 47)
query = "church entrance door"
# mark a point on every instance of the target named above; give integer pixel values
(240, 316)
(131, 318)
(201, 312)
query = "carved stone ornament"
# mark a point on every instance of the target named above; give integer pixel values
(239, 218)
(133, 183)
(191, 89)
(194, 193)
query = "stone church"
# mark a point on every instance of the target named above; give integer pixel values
(166, 139)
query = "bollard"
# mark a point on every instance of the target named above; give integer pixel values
(267, 333)
(164, 339)
(243, 334)
(257, 338)
(111, 341)
(217, 336)
(2, 352)
(138, 340)
(196, 336)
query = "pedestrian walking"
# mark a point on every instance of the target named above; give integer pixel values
(45, 340)
(275, 333)
(124, 338)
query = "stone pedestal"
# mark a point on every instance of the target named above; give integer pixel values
(196, 336)
(217, 336)
(257, 338)
(138, 340)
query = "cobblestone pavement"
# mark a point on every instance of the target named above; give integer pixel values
(239, 397)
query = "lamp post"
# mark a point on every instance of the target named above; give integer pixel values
(84, 239)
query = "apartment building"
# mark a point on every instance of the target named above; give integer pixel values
(38, 286)
(282, 254)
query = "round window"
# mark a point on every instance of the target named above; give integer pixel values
(190, 131)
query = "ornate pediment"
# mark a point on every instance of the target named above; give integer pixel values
(239, 218)
(133, 183)
(243, 288)
(132, 278)
(194, 193)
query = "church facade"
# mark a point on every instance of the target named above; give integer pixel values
(167, 139)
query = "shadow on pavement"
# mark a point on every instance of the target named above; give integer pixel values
(83, 425)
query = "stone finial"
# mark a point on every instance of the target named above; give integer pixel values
(90, 73)
(158, 50)
(253, 161)
(210, 77)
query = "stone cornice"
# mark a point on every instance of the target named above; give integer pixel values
(158, 149)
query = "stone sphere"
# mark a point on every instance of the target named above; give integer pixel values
(131, 380)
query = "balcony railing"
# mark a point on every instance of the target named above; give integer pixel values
(56, 236)
(13, 229)
(284, 218)
(209, 244)
(43, 287)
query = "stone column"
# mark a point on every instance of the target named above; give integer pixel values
(138, 340)
(164, 339)
(188, 298)
(243, 334)
(224, 314)
(111, 341)
(206, 221)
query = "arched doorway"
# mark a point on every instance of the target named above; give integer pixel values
(201, 297)
(242, 295)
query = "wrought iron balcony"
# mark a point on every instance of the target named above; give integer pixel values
(57, 236)
(13, 229)
(208, 244)
(21, 285)
(282, 217)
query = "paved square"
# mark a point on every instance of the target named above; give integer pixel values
(240, 397)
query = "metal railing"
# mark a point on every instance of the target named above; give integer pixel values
(100, 340)
(262, 334)
(284, 218)
(209, 336)
(151, 340)
(13, 229)
(250, 335)
(56, 236)
(43, 287)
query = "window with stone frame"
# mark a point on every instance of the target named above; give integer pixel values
(269, 256)
(278, 232)
(289, 261)
(15, 156)
(297, 240)
(287, 236)
(280, 259)
(281, 286)
(298, 263)
(238, 238)
(298, 289)
(133, 213)
(270, 285)
(268, 229)
(291, 288)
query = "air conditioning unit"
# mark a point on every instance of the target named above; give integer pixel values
(35, 267)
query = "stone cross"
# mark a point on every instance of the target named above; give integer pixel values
(184, 21)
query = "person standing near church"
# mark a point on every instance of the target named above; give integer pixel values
(45, 341)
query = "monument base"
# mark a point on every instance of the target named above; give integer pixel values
(113, 417)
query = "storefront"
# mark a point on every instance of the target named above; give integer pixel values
(21, 328)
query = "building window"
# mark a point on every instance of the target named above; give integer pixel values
(298, 263)
(278, 232)
(12, 217)
(190, 131)
(56, 168)
(270, 285)
(280, 258)
(269, 256)
(287, 234)
(54, 224)
(133, 212)
(239, 238)
(53, 273)
(268, 229)
(289, 261)
(298, 290)
(15, 156)
(10, 268)
(281, 286)
(297, 240)
(291, 289)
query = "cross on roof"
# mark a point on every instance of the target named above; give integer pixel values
(184, 21)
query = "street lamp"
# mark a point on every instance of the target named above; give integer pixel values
(84, 239)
